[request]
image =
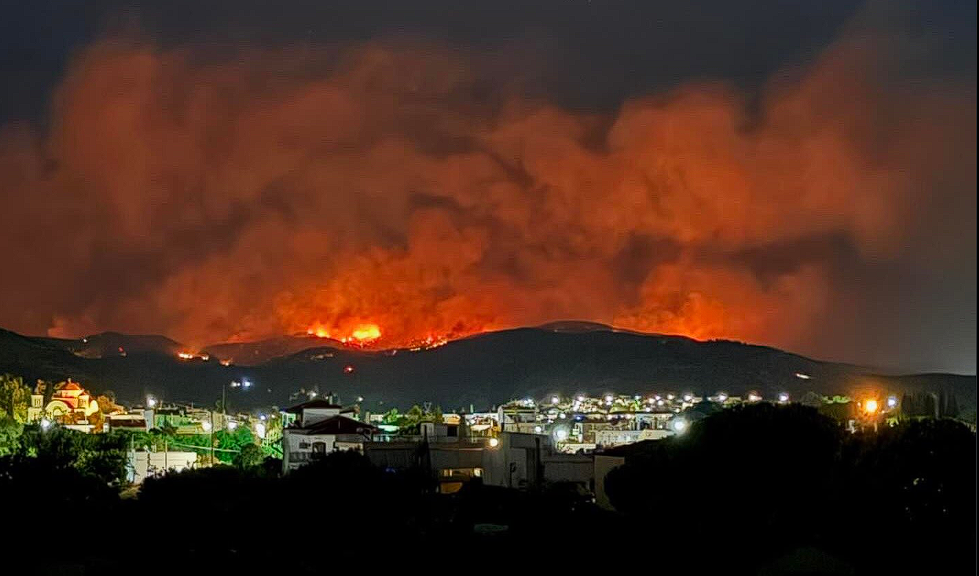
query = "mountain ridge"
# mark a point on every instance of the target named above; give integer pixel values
(483, 369)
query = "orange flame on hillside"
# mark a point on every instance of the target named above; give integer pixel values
(363, 334)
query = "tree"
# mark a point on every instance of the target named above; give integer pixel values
(10, 433)
(14, 397)
(249, 457)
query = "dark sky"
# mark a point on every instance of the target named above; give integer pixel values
(801, 174)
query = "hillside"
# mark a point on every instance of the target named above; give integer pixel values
(259, 352)
(481, 370)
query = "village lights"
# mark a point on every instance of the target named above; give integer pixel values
(150, 402)
(555, 400)
(232, 424)
(783, 397)
(679, 425)
(871, 406)
(892, 401)
(754, 397)
(494, 442)
(260, 430)
(687, 397)
(721, 397)
(45, 423)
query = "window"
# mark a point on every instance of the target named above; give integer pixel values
(319, 449)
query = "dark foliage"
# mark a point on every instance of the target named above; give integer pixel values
(759, 484)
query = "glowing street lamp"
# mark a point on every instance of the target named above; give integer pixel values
(679, 425)
(561, 433)
(892, 401)
(150, 402)
(783, 397)
(494, 442)
(871, 406)
(45, 423)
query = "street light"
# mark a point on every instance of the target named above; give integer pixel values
(150, 402)
(45, 423)
(783, 397)
(871, 406)
(892, 401)
(679, 425)
(494, 442)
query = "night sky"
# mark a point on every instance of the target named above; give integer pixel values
(800, 174)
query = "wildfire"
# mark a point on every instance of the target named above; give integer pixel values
(360, 335)
(366, 332)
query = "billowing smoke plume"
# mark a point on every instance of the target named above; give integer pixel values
(390, 185)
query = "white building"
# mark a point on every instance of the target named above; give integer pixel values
(318, 428)
(143, 464)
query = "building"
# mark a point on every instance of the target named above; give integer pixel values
(610, 438)
(451, 460)
(317, 428)
(70, 405)
(143, 465)
(519, 416)
(526, 461)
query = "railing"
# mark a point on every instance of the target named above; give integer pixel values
(417, 438)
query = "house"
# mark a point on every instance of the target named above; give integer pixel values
(317, 428)
(520, 416)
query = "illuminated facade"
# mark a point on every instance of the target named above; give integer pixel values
(70, 405)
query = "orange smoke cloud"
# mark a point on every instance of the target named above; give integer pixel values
(376, 196)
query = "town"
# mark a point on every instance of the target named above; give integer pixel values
(520, 444)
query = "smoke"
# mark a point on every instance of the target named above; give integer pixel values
(215, 198)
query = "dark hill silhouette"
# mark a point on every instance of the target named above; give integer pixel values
(253, 353)
(482, 370)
